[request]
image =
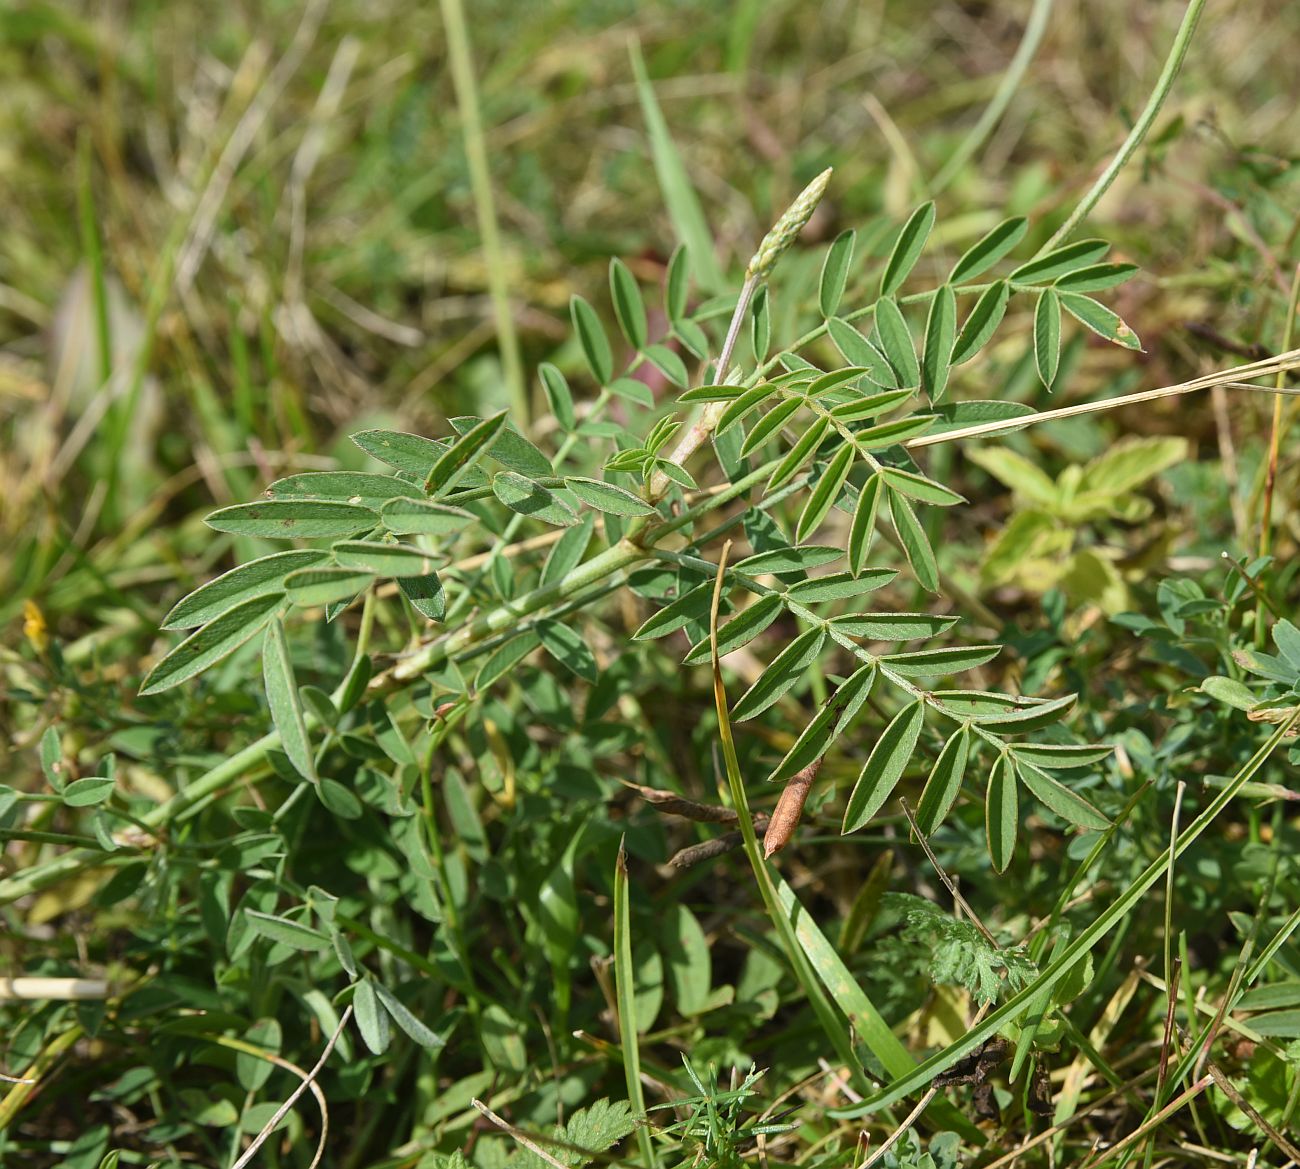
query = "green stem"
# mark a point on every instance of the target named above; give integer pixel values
(1140, 129)
(1001, 99)
(462, 74)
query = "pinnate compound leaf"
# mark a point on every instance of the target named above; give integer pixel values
(1002, 813)
(282, 697)
(884, 767)
(258, 578)
(209, 644)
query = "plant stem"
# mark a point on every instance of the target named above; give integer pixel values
(462, 75)
(993, 112)
(1141, 127)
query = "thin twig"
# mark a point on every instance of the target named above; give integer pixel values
(506, 1127)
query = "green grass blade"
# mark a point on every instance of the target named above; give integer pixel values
(625, 995)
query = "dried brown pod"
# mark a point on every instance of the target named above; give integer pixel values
(789, 809)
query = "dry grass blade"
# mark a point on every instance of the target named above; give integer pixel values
(506, 1127)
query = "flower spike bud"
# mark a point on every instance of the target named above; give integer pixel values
(787, 228)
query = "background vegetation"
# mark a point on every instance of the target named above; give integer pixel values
(235, 235)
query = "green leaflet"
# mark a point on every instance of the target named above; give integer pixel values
(799, 454)
(368, 490)
(423, 517)
(282, 697)
(896, 341)
(1067, 259)
(825, 492)
(426, 594)
(855, 348)
(1047, 336)
(566, 646)
(1099, 319)
(292, 519)
(884, 767)
(510, 448)
(591, 336)
(863, 530)
(457, 459)
(1001, 813)
(785, 671)
(919, 487)
(778, 560)
(907, 248)
(990, 248)
(835, 272)
(741, 629)
(381, 559)
(939, 663)
(983, 321)
(257, 578)
(940, 335)
(629, 308)
(839, 585)
(814, 741)
(916, 544)
(531, 499)
(607, 497)
(1069, 805)
(893, 626)
(311, 587)
(944, 783)
(209, 644)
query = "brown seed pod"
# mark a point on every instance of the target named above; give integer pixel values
(789, 809)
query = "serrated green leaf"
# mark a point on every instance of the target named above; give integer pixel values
(282, 697)
(608, 497)
(982, 323)
(209, 644)
(1096, 278)
(884, 767)
(919, 487)
(839, 585)
(816, 739)
(292, 519)
(1047, 336)
(310, 587)
(916, 544)
(835, 272)
(628, 306)
(558, 395)
(786, 670)
(896, 340)
(381, 559)
(893, 626)
(860, 352)
(286, 931)
(944, 783)
(939, 663)
(1070, 806)
(740, 630)
(258, 578)
(358, 487)
(863, 530)
(803, 450)
(990, 248)
(531, 499)
(779, 560)
(423, 517)
(940, 336)
(461, 456)
(566, 646)
(426, 595)
(1097, 317)
(591, 337)
(825, 492)
(907, 248)
(1002, 813)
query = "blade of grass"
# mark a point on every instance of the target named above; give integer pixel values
(679, 196)
(462, 75)
(625, 994)
(1017, 1005)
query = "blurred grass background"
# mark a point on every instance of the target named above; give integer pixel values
(269, 208)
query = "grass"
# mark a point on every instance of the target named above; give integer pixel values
(421, 884)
